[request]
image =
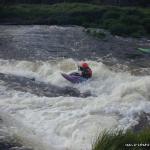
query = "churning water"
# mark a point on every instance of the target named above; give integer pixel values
(67, 122)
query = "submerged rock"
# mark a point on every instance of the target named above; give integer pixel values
(144, 122)
(39, 88)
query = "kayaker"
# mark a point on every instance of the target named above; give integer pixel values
(85, 70)
(83, 74)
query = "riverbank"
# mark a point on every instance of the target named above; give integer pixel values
(122, 21)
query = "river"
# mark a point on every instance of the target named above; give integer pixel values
(49, 113)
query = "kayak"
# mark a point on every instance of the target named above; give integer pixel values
(146, 50)
(74, 78)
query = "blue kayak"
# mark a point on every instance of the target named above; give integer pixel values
(74, 77)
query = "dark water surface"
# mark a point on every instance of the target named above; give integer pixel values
(48, 42)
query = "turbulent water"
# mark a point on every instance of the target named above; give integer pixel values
(61, 121)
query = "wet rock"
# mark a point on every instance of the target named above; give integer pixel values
(144, 122)
(39, 88)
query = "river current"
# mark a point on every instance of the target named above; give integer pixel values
(47, 119)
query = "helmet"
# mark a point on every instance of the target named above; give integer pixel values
(84, 65)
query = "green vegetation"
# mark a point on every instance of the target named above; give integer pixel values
(143, 3)
(123, 141)
(124, 21)
(96, 33)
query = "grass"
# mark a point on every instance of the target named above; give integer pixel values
(124, 21)
(123, 141)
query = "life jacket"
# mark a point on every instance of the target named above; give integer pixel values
(86, 72)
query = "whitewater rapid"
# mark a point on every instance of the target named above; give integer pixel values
(71, 123)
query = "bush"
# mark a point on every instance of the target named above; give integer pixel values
(146, 24)
(111, 15)
(124, 30)
(107, 24)
(119, 29)
(137, 31)
(90, 17)
(131, 20)
(133, 12)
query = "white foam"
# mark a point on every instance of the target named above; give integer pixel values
(68, 123)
